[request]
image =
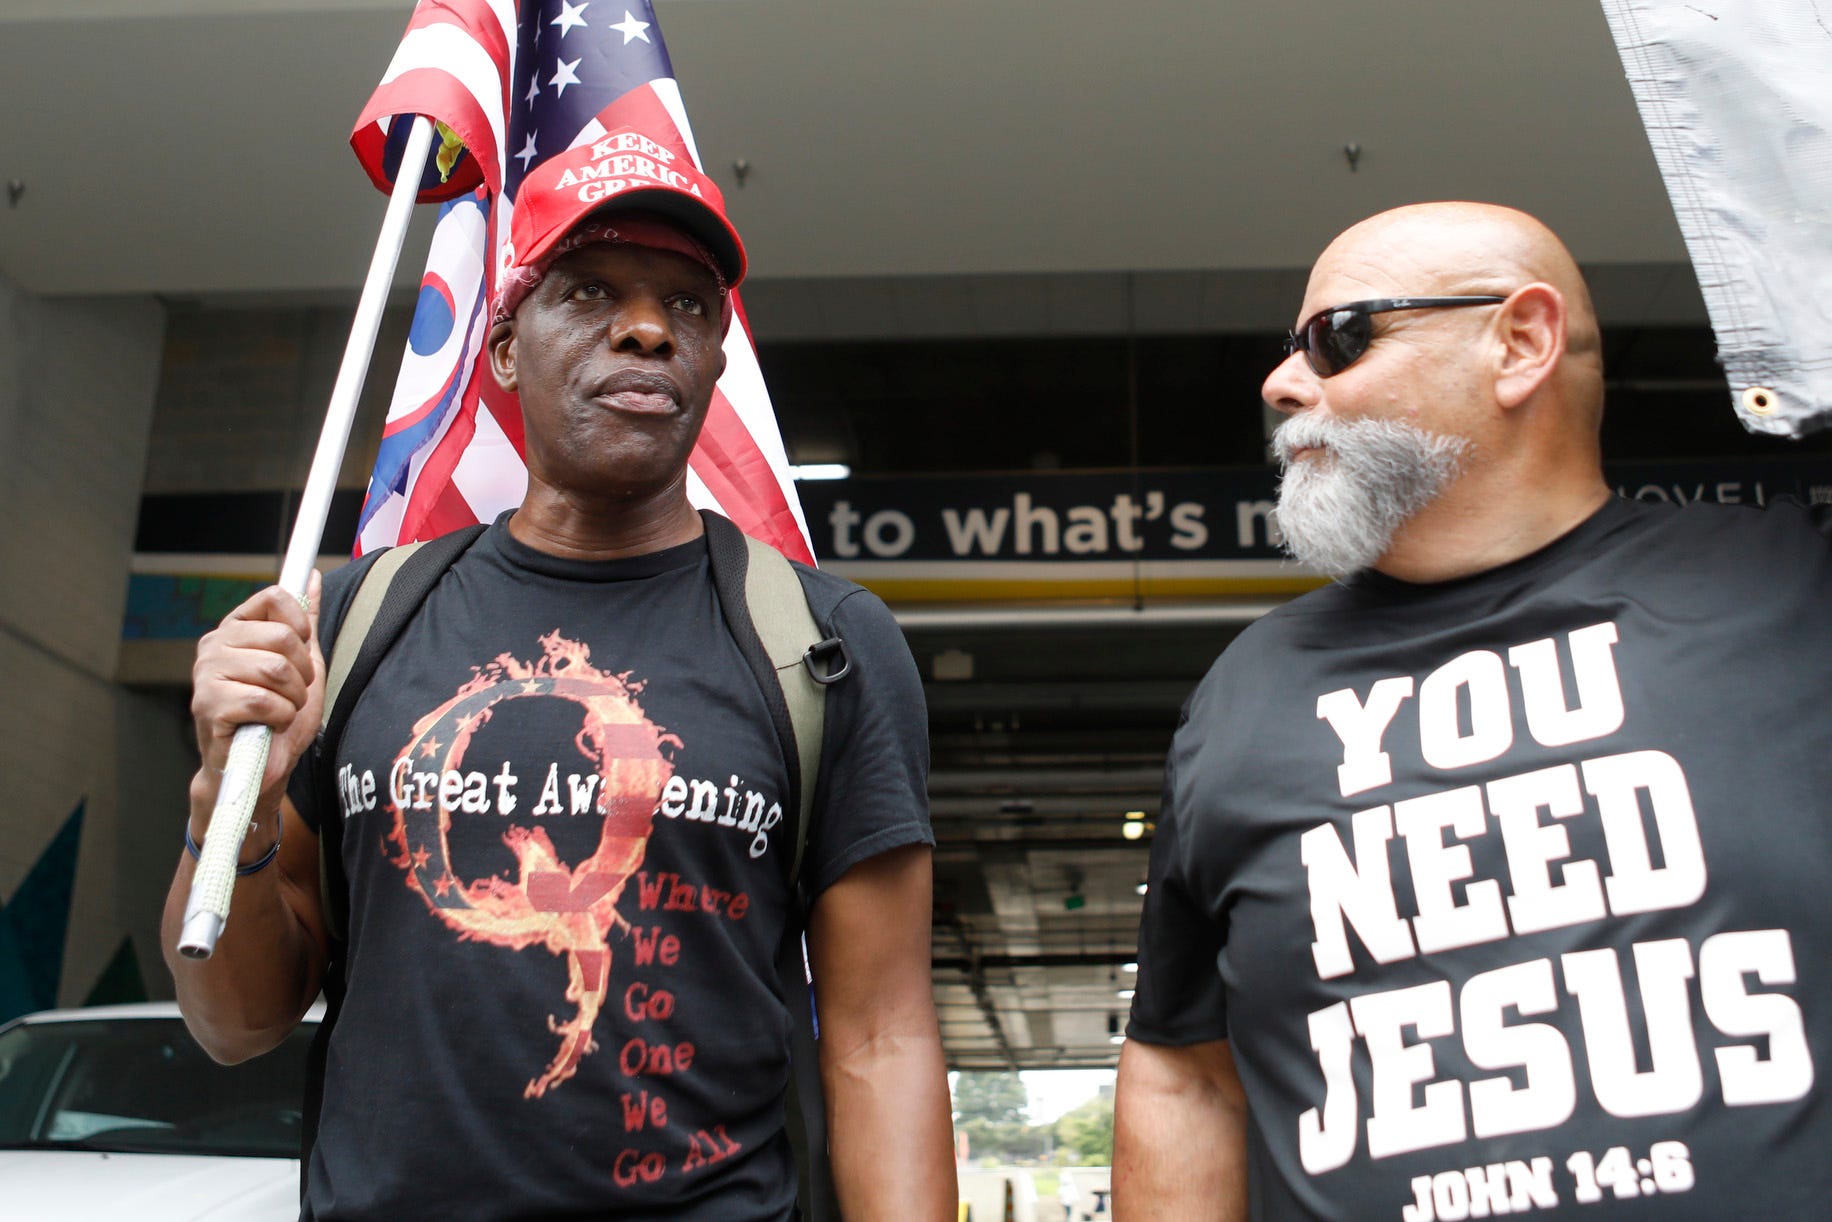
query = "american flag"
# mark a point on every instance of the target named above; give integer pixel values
(513, 82)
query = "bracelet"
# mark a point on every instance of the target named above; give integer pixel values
(254, 867)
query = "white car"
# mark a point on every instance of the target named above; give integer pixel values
(114, 1112)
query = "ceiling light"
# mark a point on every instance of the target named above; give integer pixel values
(1129, 967)
(1132, 829)
(951, 666)
(1126, 994)
(1142, 887)
(819, 470)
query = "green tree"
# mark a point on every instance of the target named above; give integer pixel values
(997, 1098)
(1088, 1131)
(989, 1109)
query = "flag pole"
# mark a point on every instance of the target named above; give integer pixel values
(207, 909)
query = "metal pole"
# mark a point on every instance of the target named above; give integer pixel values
(207, 910)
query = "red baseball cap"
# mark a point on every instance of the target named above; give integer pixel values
(619, 170)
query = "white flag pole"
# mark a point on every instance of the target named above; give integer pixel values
(208, 907)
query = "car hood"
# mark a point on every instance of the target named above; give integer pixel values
(90, 1186)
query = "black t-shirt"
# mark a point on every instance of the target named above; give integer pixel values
(565, 839)
(1511, 893)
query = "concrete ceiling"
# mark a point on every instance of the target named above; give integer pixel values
(188, 147)
(1037, 767)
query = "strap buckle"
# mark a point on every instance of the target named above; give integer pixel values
(820, 661)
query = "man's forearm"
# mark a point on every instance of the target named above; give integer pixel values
(891, 1132)
(267, 965)
(889, 1122)
(1179, 1135)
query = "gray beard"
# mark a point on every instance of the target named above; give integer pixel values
(1338, 514)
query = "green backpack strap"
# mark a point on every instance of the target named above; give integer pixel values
(775, 629)
(386, 598)
(352, 631)
(766, 609)
(785, 625)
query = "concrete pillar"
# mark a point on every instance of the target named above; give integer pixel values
(77, 383)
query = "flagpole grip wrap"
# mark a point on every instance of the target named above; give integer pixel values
(207, 910)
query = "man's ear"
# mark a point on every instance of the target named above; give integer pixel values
(502, 353)
(1530, 336)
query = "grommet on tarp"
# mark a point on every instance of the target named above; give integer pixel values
(1761, 401)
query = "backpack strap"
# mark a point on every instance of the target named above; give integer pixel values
(387, 597)
(353, 630)
(794, 661)
(767, 611)
(786, 626)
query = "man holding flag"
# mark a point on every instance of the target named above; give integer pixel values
(562, 811)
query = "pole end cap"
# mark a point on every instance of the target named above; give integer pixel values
(198, 937)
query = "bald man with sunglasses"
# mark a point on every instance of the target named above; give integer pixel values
(1490, 877)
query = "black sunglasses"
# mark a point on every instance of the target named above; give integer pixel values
(1333, 339)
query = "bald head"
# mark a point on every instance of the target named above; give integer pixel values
(1459, 247)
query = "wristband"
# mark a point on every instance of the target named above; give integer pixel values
(258, 864)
